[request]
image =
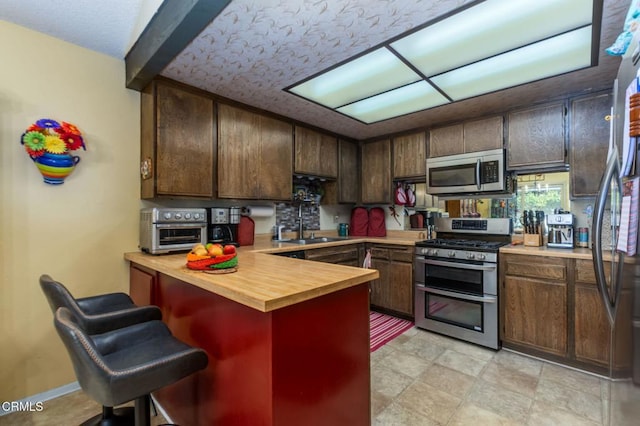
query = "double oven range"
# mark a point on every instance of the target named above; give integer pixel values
(456, 279)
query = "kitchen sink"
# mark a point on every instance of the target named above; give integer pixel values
(315, 240)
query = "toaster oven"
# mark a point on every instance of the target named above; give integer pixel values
(167, 230)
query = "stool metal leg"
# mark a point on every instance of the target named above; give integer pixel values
(143, 411)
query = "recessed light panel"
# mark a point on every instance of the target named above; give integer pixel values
(554, 56)
(365, 76)
(404, 100)
(493, 45)
(490, 28)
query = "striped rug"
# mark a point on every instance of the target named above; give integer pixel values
(385, 328)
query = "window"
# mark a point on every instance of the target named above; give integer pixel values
(545, 192)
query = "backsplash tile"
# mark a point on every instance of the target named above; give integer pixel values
(287, 215)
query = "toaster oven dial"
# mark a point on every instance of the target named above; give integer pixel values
(187, 216)
(178, 216)
(167, 215)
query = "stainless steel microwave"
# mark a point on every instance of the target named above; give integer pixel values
(472, 173)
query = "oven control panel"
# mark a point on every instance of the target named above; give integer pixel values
(456, 254)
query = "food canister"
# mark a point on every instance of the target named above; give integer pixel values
(583, 237)
(343, 229)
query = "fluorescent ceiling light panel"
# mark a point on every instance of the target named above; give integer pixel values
(365, 76)
(490, 28)
(554, 56)
(490, 46)
(404, 100)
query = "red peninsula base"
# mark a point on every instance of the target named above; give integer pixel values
(306, 364)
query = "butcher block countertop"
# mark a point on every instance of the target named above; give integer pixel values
(575, 253)
(263, 281)
(266, 282)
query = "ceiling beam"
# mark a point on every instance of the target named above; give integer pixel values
(171, 29)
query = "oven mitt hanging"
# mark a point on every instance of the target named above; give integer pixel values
(411, 196)
(401, 195)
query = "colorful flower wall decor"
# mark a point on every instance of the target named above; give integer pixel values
(49, 144)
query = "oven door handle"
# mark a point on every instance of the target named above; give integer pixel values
(484, 299)
(179, 225)
(485, 267)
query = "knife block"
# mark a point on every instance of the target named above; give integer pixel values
(533, 240)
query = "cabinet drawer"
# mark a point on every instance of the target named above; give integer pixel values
(379, 252)
(339, 254)
(535, 267)
(585, 272)
(402, 254)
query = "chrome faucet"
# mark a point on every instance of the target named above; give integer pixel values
(300, 223)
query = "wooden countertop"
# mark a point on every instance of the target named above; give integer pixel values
(266, 282)
(575, 253)
(263, 281)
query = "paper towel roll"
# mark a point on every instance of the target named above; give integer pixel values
(258, 211)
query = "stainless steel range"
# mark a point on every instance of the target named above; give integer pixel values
(456, 279)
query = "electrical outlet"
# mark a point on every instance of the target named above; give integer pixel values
(336, 218)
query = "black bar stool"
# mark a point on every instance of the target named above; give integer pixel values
(98, 314)
(128, 363)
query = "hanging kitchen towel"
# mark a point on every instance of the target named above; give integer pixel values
(246, 229)
(401, 196)
(359, 222)
(377, 226)
(410, 196)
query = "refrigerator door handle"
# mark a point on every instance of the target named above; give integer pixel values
(611, 304)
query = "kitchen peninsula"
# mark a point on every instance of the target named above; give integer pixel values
(287, 339)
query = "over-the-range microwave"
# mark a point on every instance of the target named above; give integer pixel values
(471, 173)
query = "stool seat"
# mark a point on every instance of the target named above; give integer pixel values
(128, 363)
(101, 313)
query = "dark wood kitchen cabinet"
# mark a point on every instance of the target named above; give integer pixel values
(393, 291)
(588, 143)
(177, 145)
(316, 153)
(255, 155)
(375, 173)
(534, 303)
(409, 156)
(592, 331)
(448, 140)
(470, 136)
(536, 138)
(348, 183)
(348, 255)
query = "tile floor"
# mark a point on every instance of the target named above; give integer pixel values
(426, 379)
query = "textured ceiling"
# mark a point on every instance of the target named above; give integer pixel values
(110, 27)
(255, 48)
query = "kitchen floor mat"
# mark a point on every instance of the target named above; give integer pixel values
(384, 328)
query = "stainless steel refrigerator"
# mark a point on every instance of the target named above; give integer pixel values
(618, 274)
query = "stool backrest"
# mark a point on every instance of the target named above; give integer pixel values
(91, 371)
(58, 296)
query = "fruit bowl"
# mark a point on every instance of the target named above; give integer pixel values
(212, 257)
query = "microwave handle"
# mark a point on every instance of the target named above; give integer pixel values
(478, 184)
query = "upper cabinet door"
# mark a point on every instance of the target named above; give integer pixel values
(315, 153)
(181, 134)
(375, 177)
(348, 172)
(588, 143)
(484, 134)
(255, 155)
(409, 156)
(238, 152)
(275, 166)
(446, 140)
(536, 138)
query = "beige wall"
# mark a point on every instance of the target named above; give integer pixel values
(76, 232)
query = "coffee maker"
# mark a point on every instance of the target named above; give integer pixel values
(222, 225)
(560, 228)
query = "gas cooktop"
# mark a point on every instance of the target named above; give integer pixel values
(462, 244)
